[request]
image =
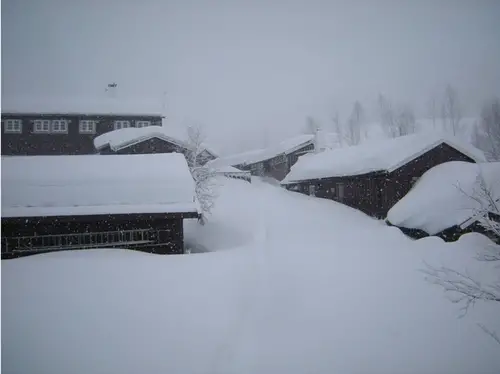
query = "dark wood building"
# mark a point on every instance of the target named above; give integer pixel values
(274, 162)
(81, 202)
(374, 176)
(450, 200)
(149, 140)
(233, 173)
(37, 129)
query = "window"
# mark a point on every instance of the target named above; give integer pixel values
(60, 126)
(142, 123)
(13, 126)
(122, 124)
(41, 126)
(87, 127)
(340, 191)
(312, 190)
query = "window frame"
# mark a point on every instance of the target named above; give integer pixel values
(87, 126)
(312, 190)
(41, 122)
(14, 129)
(340, 191)
(119, 124)
(142, 123)
(63, 126)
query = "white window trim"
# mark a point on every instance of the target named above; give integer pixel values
(119, 124)
(17, 126)
(62, 123)
(87, 126)
(340, 190)
(140, 124)
(41, 122)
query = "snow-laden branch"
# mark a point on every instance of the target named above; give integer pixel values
(203, 175)
(461, 287)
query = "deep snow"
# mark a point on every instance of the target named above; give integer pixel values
(309, 286)
(447, 195)
(91, 184)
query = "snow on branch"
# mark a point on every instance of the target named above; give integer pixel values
(203, 175)
(462, 287)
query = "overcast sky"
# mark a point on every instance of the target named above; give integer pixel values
(248, 70)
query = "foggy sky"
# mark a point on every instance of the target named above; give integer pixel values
(253, 70)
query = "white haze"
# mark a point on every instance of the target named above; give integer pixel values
(251, 71)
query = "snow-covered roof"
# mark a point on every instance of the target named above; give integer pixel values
(442, 197)
(102, 105)
(230, 169)
(121, 138)
(95, 184)
(286, 146)
(370, 156)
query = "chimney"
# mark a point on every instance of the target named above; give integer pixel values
(111, 90)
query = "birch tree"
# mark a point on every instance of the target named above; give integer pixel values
(487, 133)
(311, 126)
(462, 288)
(352, 133)
(338, 129)
(387, 116)
(451, 111)
(203, 174)
(398, 121)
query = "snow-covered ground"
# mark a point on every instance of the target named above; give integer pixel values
(296, 285)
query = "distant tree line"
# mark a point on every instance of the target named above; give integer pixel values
(399, 120)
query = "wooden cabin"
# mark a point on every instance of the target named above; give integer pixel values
(450, 200)
(148, 140)
(375, 175)
(274, 162)
(233, 173)
(52, 203)
(36, 127)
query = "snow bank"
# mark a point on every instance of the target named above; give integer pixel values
(381, 155)
(94, 184)
(441, 198)
(314, 286)
(82, 105)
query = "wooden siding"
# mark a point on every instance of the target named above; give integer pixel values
(156, 145)
(169, 228)
(70, 143)
(153, 145)
(277, 167)
(375, 193)
(294, 156)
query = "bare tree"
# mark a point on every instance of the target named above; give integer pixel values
(432, 110)
(487, 134)
(337, 128)
(203, 175)
(404, 121)
(396, 122)
(352, 133)
(451, 111)
(311, 126)
(463, 288)
(387, 116)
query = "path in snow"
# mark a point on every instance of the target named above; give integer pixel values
(299, 285)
